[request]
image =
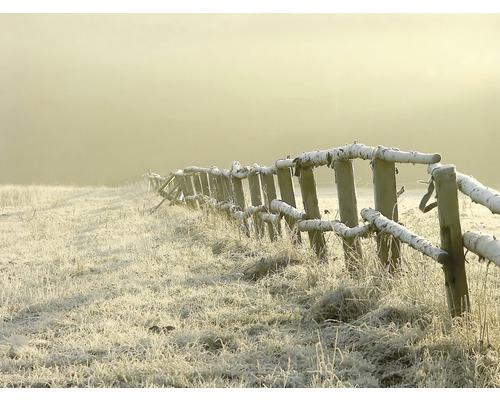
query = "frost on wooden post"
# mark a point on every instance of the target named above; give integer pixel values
(404, 235)
(485, 246)
(336, 226)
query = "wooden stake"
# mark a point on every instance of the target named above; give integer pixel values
(310, 201)
(256, 200)
(239, 199)
(348, 208)
(457, 293)
(189, 191)
(227, 189)
(386, 201)
(212, 185)
(205, 188)
(219, 188)
(287, 193)
(197, 187)
(269, 190)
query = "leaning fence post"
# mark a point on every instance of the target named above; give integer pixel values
(226, 187)
(182, 186)
(386, 201)
(287, 193)
(311, 207)
(205, 188)
(239, 199)
(457, 293)
(348, 208)
(189, 191)
(269, 190)
(256, 199)
(219, 188)
(197, 187)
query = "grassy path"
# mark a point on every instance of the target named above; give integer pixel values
(96, 292)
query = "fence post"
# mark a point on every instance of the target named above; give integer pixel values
(197, 187)
(239, 198)
(205, 188)
(348, 208)
(311, 207)
(256, 199)
(218, 186)
(287, 193)
(227, 189)
(182, 186)
(189, 191)
(457, 293)
(386, 201)
(269, 190)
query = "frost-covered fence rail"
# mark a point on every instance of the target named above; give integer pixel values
(223, 190)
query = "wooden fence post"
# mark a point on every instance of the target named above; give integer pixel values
(219, 188)
(348, 208)
(287, 193)
(197, 187)
(269, 190)
(189, 191)
(205, 188)
(311, 207)
(239, 199)
(256, 200)
(227, 190)
(386, 201)
(182, 186)
(457, 293)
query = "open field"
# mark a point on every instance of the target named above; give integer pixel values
(97, 292)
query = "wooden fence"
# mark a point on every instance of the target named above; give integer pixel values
(223, 190)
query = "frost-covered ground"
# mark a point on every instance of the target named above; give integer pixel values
(97, 292)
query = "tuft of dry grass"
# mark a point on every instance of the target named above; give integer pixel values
(97, 292)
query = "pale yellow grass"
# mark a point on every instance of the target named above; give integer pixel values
(96, 292)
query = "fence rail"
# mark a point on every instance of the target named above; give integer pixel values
(223, 190)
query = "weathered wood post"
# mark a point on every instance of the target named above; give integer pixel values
(212, 182)
(219, 183)
(457, 293)
(189, 191)
(348, 208)
(287, 193)
(179, 177)
(256, 200)
(269, 190)
(311, 207)
(205, 188)
(386, 201)
(227, 188)
(239, 199)
(197, 187)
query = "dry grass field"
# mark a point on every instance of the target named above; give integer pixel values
(97, 292)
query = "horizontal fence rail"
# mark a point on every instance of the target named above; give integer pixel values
(222, 190)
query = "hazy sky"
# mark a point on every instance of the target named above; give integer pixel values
(100, 98)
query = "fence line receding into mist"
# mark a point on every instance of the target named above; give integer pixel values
(223, 190)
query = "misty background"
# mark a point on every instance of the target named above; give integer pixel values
(97, 99)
